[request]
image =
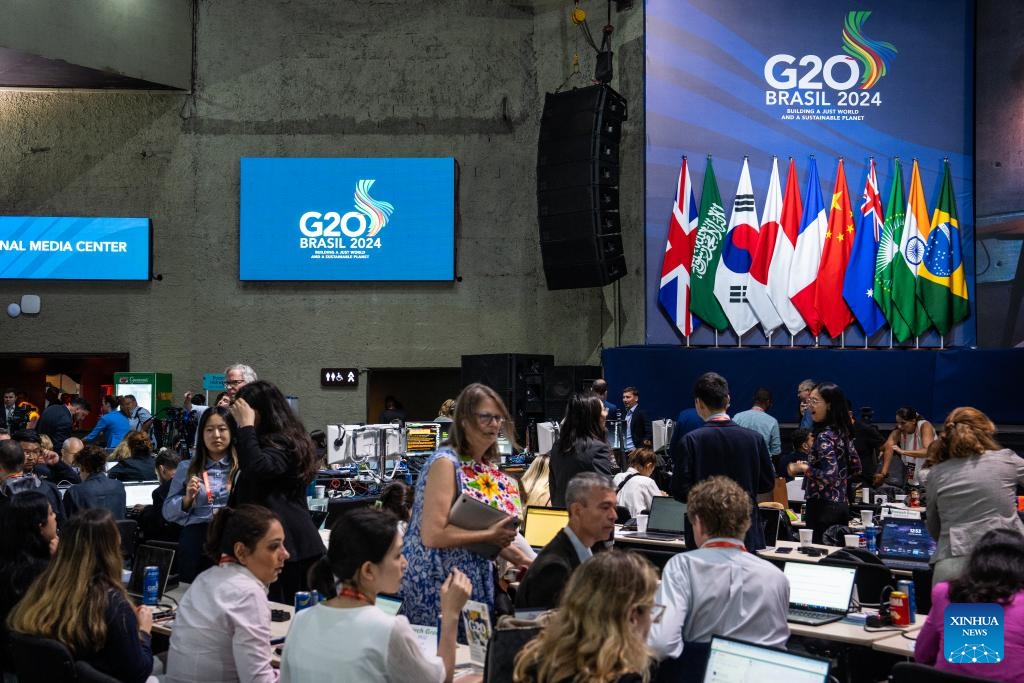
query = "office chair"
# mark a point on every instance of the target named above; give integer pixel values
(129, 529)
(89, 674)
(912, 672)
(41, 660)
(622, 514)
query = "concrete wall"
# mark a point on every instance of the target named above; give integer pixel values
(322, 78)
(146, 39)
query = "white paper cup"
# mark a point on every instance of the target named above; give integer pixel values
(866, 517)
(852, 540)
(126, 576)
(806, 536)
(641, 523)
(321, 491)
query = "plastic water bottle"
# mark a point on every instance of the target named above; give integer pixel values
(871, 534)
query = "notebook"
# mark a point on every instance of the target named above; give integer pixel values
(905, 544)
(470, 513)
(150, 556)
(733, 661)
(818, 594)
(666, 520)
(542, 523)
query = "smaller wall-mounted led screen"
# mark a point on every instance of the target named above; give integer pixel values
(347, 219)
(50, 248)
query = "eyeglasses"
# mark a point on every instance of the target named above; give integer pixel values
(657, 611)
(488, 419)
(234, 383)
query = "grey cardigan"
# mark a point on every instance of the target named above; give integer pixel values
(969, 496)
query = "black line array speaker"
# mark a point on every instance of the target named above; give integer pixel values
(578, 187)
(561, 382)
(518, 378)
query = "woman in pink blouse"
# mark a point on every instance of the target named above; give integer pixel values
(995, 573)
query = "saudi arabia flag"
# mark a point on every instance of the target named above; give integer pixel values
(707, 252)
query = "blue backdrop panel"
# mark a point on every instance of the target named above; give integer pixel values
(934, 382)
(713, 81)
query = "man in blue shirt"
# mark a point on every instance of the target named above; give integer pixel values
(112, 423)
(758, 419)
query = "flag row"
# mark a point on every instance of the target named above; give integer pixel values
(808, 265)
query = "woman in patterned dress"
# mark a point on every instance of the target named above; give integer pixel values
(832, 463)
(466, 463)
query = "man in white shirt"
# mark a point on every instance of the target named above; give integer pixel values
(720, 588)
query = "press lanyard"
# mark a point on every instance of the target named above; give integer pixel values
(209, 491)
(724, 544)
(347, 592)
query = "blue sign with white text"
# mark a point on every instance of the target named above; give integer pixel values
(973, 633)
(62, 248)
(347, 219)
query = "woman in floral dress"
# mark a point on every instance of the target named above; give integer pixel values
(466, 463)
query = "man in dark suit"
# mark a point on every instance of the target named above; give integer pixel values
(722, 447)
(638, 425)
(58, 420)
(590, 498)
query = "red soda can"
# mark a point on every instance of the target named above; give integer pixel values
(899, 607)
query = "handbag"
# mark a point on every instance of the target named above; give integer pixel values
(509, 637)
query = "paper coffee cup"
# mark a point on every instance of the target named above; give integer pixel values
(866, 517)
(641, 523)
(806, 536)
(852, 540)
(321, 491)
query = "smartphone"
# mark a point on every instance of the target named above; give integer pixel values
(783, 551)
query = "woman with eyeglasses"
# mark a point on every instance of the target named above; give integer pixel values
(597, 634)
(581, 445)
(832, 463)
(465, 464)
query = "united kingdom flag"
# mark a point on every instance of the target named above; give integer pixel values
(674, 292)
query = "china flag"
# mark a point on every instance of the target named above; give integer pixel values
(832, 308)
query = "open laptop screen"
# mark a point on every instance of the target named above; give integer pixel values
(542, 523)
(668, 515)
(819, 587)
(150, 556)
(140, 493)
(906, 539)
(733, 661)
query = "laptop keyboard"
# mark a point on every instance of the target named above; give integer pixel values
(910, 565)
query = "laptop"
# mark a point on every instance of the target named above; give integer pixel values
(818, 594)
(666, 520)
(733, 661)
(905, 544)
(771, 520)
(139, 493)
(150, 556)
(542, 524)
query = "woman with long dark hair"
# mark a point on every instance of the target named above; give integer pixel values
(80, 601)
(222, 627)
(276, 462)
(972, 488)
(903, 453)
(28, 538)
(994, 574)
(832, 462)
(200, 487)
(364, 559)
(581, 445)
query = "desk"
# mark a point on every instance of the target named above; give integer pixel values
(852, 634)
(896, 644)
(794, 556)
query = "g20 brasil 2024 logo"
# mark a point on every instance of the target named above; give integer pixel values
(352, 230)
(805, 81)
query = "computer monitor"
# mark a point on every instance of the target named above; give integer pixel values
(733, 661)
(547, 433)
(542, 524)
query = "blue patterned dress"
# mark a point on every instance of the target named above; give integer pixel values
(428, 567)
